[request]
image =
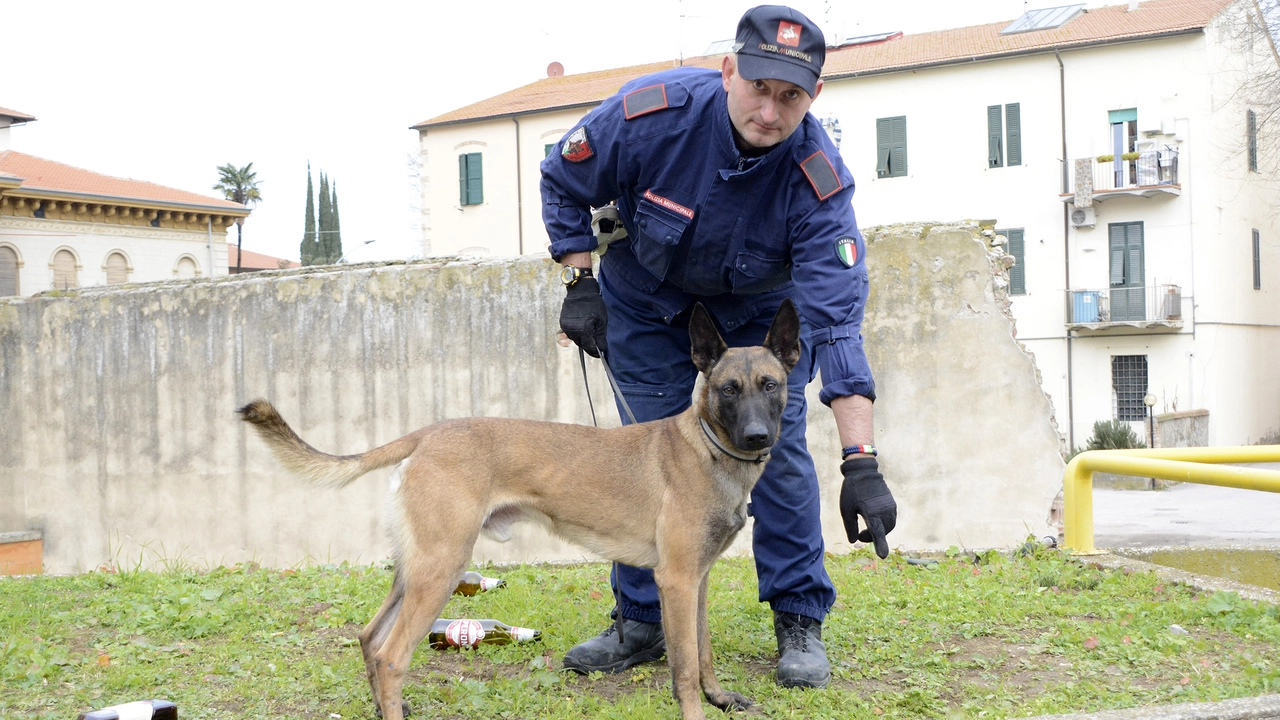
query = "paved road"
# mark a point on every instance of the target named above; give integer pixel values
(1187, 514)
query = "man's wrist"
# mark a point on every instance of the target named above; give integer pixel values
(858, 451)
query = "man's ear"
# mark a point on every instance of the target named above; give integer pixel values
(706, 345)
(728, 67)
(783, 339)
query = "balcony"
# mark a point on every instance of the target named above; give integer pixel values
(1144, 174)
(1150, 307)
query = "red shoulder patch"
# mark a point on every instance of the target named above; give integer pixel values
(822, 175)
(644, 101)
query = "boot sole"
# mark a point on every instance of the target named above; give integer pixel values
(801, 683)
(644, 656)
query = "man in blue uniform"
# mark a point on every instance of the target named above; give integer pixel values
(731, 195)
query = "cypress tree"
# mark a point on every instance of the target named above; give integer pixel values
(337, 227)
(324, 256)
(308, 248)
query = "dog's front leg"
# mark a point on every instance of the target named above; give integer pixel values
(716, 695)
(678, 595)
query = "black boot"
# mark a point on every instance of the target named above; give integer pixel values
(802, 658)
(603, 653)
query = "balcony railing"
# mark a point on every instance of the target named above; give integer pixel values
(1152, 172)
(1149, 306)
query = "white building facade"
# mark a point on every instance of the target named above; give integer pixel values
(1151, 272)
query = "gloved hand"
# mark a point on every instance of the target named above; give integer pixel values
(865, 493)
(583, 316)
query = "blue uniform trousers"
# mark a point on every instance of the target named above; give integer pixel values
(650, 359)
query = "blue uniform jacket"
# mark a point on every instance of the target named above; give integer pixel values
(706, 224)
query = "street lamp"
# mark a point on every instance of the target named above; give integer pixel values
(1149, 400)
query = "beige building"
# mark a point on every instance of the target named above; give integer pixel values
(64, 227)
(1113, 148)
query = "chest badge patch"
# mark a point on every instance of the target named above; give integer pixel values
(577, 147)
(847, 250)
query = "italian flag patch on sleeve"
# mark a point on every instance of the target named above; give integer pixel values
(847, 250)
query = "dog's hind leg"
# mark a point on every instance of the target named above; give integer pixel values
(716, 695)
(375, 634)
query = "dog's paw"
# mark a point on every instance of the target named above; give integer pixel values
(730, 701)
(404, 709)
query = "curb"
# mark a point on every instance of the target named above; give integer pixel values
(1263, 707)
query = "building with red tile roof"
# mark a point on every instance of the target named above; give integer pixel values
(63, 226)
(1117, 150)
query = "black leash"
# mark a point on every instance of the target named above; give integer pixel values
(582, 358)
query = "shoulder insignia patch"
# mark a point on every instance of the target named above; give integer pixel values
(577, 147)
(644, 101)
(847, 250)
(822, 175)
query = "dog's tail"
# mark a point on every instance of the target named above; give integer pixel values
(320, 468)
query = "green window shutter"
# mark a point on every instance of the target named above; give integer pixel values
(471, 179)
(898, 138)
(1251, 119)
(1120, 116)
(883, 148)
(1017, 273)
(1134, 276)
(546, 149)
(995, 133)
(1116, 236)
(1013, 121)
(1257, 261)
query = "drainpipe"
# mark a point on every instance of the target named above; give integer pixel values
(519, 200)
(1066, 249)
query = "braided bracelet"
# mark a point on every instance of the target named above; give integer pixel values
(855, 449)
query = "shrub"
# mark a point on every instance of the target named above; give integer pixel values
(1130, 156)
(1113, 435)
(1106, 158)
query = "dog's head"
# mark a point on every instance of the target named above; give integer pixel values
(746, 388)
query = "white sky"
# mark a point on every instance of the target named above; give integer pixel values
(167, 90)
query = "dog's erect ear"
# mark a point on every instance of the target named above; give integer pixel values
(706, 345)
(783, 339)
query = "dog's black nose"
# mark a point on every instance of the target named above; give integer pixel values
(755, 436)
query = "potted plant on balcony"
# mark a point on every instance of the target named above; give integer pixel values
(1130, 156)
(1105, 158)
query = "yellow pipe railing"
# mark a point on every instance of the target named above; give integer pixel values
(1196, 465)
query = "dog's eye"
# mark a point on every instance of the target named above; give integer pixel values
(770, 386)
(729, 390)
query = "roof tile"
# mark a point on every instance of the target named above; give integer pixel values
(40, 174)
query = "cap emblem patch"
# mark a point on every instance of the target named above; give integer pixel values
(847, 250)
(577, 147)
(789, 33)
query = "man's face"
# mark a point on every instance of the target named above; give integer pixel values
(764, 112)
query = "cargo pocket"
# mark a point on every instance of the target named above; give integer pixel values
(757, 273)
(653, 401)
(659, 231)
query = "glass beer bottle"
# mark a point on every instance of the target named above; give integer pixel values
(447, 633)
(473, 582)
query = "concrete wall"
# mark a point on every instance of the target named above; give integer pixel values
(1189, 428)
(120, 443)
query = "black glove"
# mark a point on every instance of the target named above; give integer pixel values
(583, 316)
(865, 493)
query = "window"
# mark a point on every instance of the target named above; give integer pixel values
(1129, 386)
(117, 269)
(64, 271)
(1251, 120)
(470, 179)
(1128, 294)
(997, 144)
(1124, 139)
(891, 147)
(186, 268)
(9, 270)
(546, 149)
(1257, 262)
(1017, 248)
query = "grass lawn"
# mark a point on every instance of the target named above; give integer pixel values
(970, 636)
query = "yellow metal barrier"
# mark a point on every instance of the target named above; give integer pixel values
(1195, 465)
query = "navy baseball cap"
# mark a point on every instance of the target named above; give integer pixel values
(778, 43)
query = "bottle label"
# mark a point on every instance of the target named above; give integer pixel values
(520, 634)
(488, 583)
(464, 633)
(141, 710)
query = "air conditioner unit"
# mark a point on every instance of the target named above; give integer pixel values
(1083, 217)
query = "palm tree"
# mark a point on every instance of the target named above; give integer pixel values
(239, 185)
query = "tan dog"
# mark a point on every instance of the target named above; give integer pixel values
(669, 494)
